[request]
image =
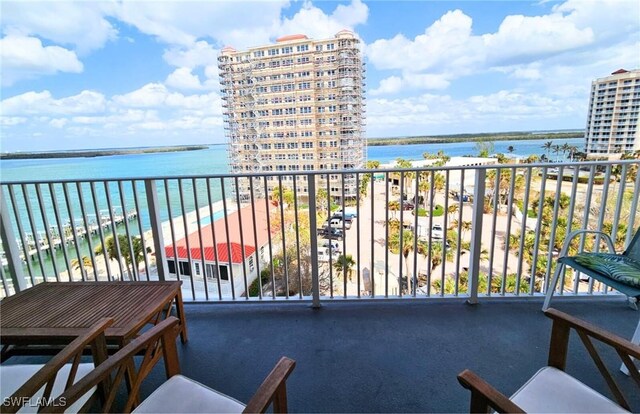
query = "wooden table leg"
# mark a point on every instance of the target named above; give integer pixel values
(181, 316)
(100, 354)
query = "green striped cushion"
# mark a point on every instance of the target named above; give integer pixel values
(617, 267)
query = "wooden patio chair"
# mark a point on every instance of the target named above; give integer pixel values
(178, 394)
(551, 389)
(31, 387)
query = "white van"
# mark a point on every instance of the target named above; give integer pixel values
(336, 223)
(323, 254)
(324, 244)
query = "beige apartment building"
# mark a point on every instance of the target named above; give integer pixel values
(612, 123)
(293, 106)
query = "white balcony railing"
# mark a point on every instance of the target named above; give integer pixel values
(466, 231)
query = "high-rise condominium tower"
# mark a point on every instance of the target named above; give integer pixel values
(293, 106)
(612, 123)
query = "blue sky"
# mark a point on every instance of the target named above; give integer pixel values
(91, 74)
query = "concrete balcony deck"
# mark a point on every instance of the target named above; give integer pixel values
(389, 357)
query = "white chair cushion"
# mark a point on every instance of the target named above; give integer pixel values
(180, 394)
(551, 390)
(13, 377)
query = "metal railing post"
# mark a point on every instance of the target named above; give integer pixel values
(11, 247)
(313, 227)
(476, 236)
(151, 191)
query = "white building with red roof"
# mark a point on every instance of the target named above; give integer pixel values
(224, 252)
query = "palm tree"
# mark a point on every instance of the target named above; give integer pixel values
(408, 175)
(547, 146)
(321, 199)
(465, 227)
(393, 206)
(451, 211)
(344, 264)
(566, 148)
(86, 262)
(556, 150)
(125, 252)
(424, 186)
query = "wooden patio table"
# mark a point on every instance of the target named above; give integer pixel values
(55, 313)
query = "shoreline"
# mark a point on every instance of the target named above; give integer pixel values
(98, 152)
(371, 142)
(482, 137)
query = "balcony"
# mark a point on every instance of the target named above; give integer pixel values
(386, 357)
(504, 227)
(389, 328)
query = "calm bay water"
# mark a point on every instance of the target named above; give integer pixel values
(214, 161)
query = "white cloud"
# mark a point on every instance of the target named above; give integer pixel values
(495, 111)
(39, 103)
(25, 57)
(183, 79)
(313, 22)
(182, 23)
(81, 24)
(200, 53)
(522, 39)
(149, 96)
(394, 84)
(12, 120)
(58, 122)
(156, 95)
(525, 47)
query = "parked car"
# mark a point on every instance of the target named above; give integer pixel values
(324, 244)
(437, 232)
(350, 213)
(336, 222)
(407, 205)
(330, 233)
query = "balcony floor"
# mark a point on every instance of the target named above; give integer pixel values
(388, 357)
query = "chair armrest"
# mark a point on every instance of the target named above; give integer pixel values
(575, 233)
(558, 349)
(158, 341)
(595, 332)
(273, 389)
(48, 373)
(484, 395)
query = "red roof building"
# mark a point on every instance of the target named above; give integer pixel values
(223, 244)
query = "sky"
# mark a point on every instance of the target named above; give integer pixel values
(93, 74)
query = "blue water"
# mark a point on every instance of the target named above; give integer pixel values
(205, 221)
(214, 161)
(388, 153)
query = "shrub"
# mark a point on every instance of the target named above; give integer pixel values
(438, 211)
(254, 288)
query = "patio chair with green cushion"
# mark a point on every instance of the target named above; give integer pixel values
(619, 271)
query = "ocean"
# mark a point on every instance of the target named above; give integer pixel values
(214, 161)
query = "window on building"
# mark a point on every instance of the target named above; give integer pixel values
(185, 269)
(302, 48)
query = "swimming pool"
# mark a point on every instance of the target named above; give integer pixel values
(205, 221)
